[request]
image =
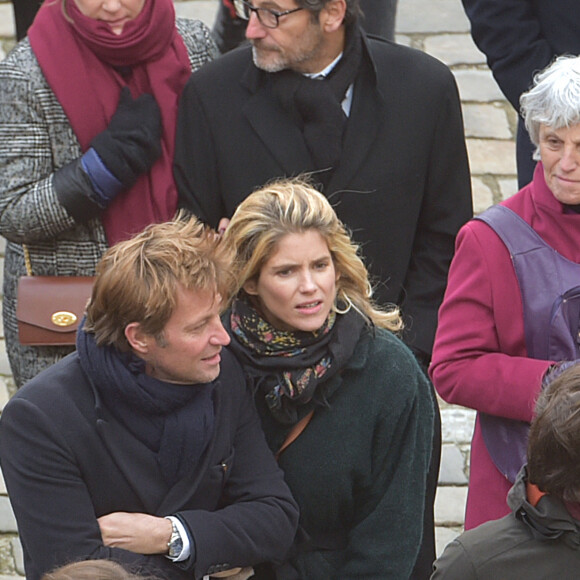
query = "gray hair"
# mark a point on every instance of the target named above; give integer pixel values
(554, 99)
(351, 16)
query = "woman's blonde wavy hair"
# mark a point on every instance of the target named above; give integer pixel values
(292, 206)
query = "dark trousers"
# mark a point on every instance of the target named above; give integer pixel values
(24, 13)
(424, 564)
(524, 151)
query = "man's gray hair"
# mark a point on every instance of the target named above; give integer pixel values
(352, 13)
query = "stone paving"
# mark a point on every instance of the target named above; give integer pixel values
(440, 28)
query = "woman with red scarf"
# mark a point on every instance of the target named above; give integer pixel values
(88, 105)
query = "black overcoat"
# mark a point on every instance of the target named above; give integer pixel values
(402, 184)
(520, 38)
(66, 461)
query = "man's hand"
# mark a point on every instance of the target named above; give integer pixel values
(136, 532)
(223, 226)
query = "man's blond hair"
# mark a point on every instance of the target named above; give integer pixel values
(137, 279)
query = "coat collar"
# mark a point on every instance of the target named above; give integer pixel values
(548, 519)
(284, 140)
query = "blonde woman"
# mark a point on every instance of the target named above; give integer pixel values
(311, 340)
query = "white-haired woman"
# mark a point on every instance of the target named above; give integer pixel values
(511, 310)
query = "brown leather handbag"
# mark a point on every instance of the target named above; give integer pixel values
(50, 308)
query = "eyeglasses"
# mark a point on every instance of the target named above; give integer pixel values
(267, 17)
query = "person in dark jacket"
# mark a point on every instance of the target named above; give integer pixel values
(311, 341)
(519, 39)
(541, 537)
(24, 13)
(381, 134)
(144, 445)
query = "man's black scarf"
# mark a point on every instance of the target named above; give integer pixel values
(316, 104)
(174, 421)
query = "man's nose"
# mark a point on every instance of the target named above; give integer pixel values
(220, 335)
(255, 29)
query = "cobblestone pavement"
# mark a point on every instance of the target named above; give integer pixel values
(440, 28)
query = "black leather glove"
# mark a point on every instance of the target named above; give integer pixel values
(75, 192)
(132, 142)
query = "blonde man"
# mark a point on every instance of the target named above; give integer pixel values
(125, 449)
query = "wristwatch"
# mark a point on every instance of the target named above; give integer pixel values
(175, 543)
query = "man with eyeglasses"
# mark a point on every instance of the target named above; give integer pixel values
(378, 18)
(377, 125)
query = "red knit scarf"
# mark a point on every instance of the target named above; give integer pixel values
(83, 60)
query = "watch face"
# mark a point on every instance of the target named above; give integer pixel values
(175, 549)
(175, 543)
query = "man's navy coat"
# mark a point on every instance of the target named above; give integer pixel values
(67, 461)
(402, 184)
(521, 37)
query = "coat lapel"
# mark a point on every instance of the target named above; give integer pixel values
(137, 463)
(274, 127)
(365, 119)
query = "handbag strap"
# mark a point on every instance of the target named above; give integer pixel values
(294, 433)
(27, 261)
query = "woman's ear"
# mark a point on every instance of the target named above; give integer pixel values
(138, 340)
(251, 287)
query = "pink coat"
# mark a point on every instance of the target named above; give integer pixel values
(479, 357)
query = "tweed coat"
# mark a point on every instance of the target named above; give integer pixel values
(67, 461)
(36, 139)
(401, 185)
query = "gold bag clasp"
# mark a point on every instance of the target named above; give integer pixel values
(63, 318)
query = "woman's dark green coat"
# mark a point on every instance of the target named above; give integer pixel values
(358, 470)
